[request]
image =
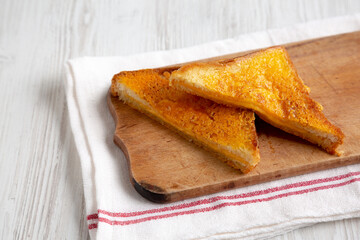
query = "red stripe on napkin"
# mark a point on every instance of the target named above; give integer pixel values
(221, 205)
(92, 226)
(92, 216)
(217, 198)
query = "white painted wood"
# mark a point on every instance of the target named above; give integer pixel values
(41, 195)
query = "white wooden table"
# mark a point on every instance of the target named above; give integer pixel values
(41, 194)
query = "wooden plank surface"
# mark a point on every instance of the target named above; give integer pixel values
(41, 192)
(166, 167)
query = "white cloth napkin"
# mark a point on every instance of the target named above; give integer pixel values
(116, 211)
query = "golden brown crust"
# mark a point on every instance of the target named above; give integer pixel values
(113, 86)
(268, 83)
(228, 131)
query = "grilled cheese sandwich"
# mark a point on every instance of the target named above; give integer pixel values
(228, 131)
(267, 83)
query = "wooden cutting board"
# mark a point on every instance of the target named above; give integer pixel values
(164, 167)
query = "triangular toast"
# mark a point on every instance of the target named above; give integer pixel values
(227, 131)
(266, 82)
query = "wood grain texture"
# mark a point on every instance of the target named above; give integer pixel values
(166, 167)
(41, 195)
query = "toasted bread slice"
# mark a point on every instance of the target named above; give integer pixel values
(266, 82)
(228, 131)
